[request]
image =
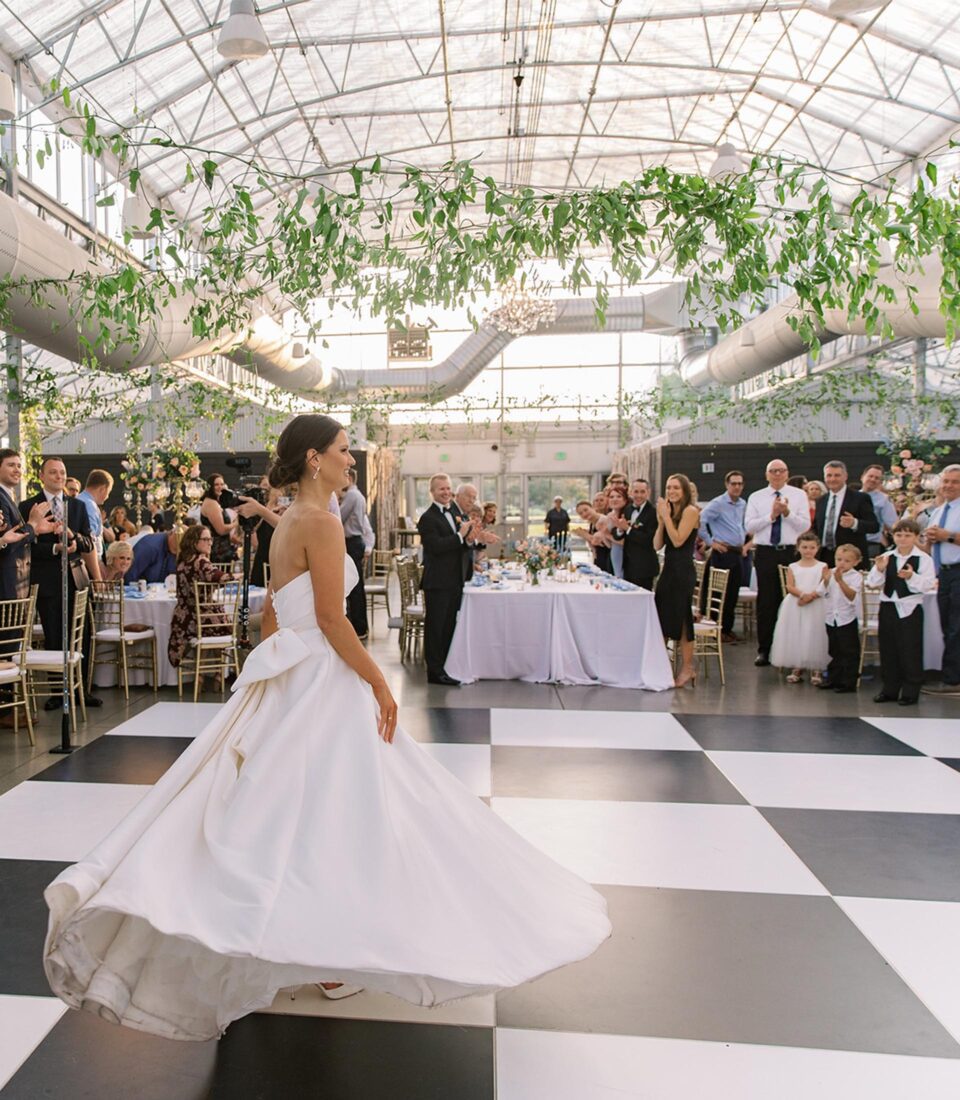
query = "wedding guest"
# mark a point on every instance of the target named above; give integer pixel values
(443, 540)
(155, 556)
(17, 535)
(776, 517)
(590, 516)
(841, 605)
(353, 509)
(677, 521)
(800, 636)
(617, 503)
(814, 491)
(214, 517)
(617, 479)
(798, 481)
(99, 486)
(557, 523)
(871, 482)
(119, 561)
(146, 529)
(120, 526)
(843, 514)
(71, 487)
(641, 563)
(193, 564)
(922, 511)
(905, 574)
(466, 497)
(722, 529)
(694, 495)
(268, 515)
(489, 515)
(943, 538)
(600, 533)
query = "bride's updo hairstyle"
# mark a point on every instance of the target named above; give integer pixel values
(308, 432)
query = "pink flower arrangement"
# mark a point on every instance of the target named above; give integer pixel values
(905, 454)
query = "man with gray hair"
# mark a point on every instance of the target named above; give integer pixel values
(843, 515)
(943, 542)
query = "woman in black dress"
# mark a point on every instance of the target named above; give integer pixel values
(677, 522)
(213, 517)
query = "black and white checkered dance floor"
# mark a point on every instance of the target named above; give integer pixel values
(785, 895)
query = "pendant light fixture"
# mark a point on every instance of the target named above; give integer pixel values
(242, 37)
(853, 7)
(728, 163)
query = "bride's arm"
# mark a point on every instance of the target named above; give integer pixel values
(268, 622)
(325, 552)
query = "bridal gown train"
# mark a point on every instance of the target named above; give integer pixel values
(288, 845)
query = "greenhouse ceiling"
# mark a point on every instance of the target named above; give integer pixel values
(554, 95)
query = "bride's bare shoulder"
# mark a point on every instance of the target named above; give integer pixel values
(314, 522)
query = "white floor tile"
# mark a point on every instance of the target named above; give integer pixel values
(934, 736)
(469, 763)
(896, 784)
(24, 1022)
(684, 846)
(589, 729)
(62, 821)
(309, 1001)
(553, 1065)
(168, 720)
(920, 940)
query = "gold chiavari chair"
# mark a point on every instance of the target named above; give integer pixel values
(784, 571)
(377, 583)
(411, 602)
(869, 628)
(16, 632)
(266, 574)
(215, 642)
(707, 632)
(111, 640)
(50, 662)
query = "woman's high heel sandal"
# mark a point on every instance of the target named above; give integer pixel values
(688, 676)
(338, 992)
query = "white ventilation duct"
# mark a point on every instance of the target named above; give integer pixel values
(768, 340)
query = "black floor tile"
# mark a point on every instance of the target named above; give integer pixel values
(266, 1057)
(950, 763)
(85, 1058)
(463, 726)
(622, 775)
(771, 969)
(23, 924)
(876, 855)
(772, 733)
(117, 760)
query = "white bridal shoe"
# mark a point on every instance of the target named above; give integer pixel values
(340, 991)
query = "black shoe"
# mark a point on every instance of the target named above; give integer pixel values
(908, 702)
(92, 701)
(55, 702)
(443, 678)
(826, 685)
(884, 698)
(844, 690)
(762, 661)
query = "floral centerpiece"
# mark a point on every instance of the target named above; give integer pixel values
(536, 554)
(173, 460)
(913, 452)
(137, 474)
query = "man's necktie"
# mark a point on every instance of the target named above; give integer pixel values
(829, 528)
(56, 509)
(938, 545)
(776, 528)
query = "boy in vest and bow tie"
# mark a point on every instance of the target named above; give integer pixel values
(905, 575)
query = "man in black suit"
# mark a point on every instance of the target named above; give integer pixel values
(17, 537)
(45, 558)
(639, 524)
(843, 515)
(445, 535)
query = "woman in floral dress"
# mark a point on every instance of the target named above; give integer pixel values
(193, 564)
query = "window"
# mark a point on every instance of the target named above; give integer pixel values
(542, 490)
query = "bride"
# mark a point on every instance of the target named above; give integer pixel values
(303, 837)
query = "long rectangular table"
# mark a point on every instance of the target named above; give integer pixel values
(560, 633)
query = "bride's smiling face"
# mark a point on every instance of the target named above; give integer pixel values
(333, 464)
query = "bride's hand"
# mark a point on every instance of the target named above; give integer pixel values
(388, 711)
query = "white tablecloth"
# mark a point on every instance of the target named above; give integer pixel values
(565, 633)
(932, 633)
(157, 613)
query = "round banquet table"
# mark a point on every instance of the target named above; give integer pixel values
(156, 611)
(566, 633)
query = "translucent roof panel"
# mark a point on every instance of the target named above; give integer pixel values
(556, 95)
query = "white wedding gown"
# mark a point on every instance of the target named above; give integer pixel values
(288, 845)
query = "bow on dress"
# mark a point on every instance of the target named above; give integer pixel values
(283, 650)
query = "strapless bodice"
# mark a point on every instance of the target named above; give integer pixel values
(297, 635)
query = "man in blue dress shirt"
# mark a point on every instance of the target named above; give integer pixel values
(943, 542)
(721, 528)
(871, 481)
(154, 558)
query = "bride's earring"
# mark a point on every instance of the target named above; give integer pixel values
(316, 472)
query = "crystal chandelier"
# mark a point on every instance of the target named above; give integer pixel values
(521, 310)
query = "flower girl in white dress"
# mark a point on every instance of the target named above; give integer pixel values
(303, 837)
(800, 638)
